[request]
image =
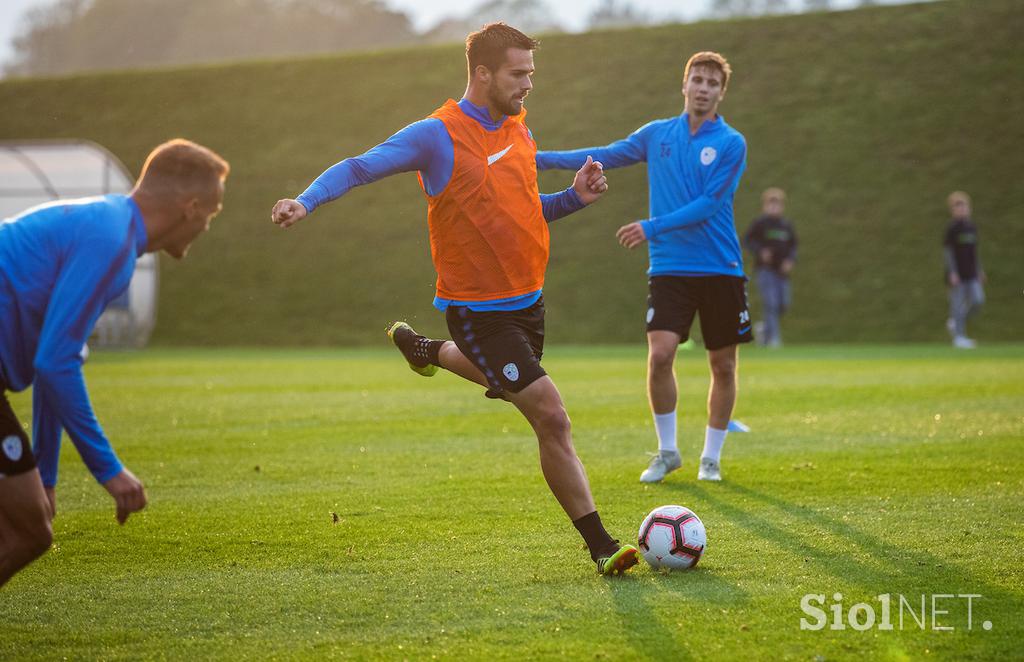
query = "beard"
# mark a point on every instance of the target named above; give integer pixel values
(507, 105)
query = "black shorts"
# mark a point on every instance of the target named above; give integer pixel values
(506, 345)
(720, 300)
(15, 451)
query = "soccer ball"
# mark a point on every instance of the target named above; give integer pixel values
(672, 537)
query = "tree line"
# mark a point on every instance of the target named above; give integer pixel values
(78, 35)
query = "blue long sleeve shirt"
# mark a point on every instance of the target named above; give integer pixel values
(691, 179)
(60, 264)
(425, 146)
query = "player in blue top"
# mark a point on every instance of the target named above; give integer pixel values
(694, 163)
(61, 263)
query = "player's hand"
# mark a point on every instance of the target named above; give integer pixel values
(766, 255)
(631, 235)
(128, 493)
(287, 212)
(51, 496)
(786, 267)
(954, 279)
(590, 182)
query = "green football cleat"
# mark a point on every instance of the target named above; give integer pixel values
(412, 347)
(619, 562)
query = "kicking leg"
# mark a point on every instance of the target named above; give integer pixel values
(425, 355)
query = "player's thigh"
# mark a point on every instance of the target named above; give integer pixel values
(24, 508)
(498, 344)
(672, 303)
(15, 451)
(724, 313)
(531, 322)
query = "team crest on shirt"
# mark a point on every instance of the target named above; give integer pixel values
(707, 155)
(12, 448)
(511, 372)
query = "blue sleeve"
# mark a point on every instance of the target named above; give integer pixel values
(620, 153)
(46, 431)
(419, 146)
(563, 203)
(723, 178)
(59, 392)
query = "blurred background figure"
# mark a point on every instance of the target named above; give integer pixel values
(964, 274)
(772, 241)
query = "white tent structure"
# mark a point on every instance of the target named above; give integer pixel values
(34, 172)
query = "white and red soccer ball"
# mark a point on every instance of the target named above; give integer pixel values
(672, 537)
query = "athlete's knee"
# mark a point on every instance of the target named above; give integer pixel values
(552, 423)
(723, 368)
(660, 359)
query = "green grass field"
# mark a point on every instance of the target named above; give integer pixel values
(869, 470)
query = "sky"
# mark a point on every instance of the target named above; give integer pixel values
(425, 13)
(572, 15)
(10, 11)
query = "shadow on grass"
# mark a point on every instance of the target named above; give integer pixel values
(642, 599)
(892, 569)
(903, 561)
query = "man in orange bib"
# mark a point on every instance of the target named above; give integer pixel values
(476, 161)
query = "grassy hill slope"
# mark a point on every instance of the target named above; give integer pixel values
(867, 118)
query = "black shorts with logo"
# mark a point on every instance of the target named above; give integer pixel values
(506, 345)
(15, 451)
(720, 300)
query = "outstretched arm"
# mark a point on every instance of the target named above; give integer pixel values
(720, 182)
(413, 148)
(618, 154)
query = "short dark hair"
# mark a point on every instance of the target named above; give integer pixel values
(487, 45)
(181, 166)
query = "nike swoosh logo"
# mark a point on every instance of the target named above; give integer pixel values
(494, 157)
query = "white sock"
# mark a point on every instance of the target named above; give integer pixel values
(713, 442)
(666, 426)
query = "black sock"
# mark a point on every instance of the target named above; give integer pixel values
(426, 351)
(434, 352)
(597, 539)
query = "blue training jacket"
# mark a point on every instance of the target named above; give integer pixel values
(60, 264)
(692, 180)
(426, 146)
